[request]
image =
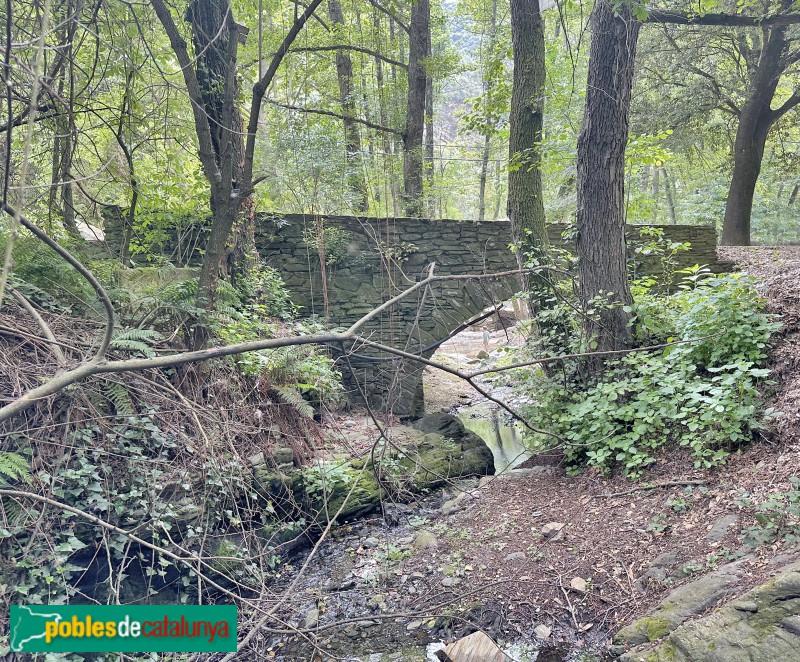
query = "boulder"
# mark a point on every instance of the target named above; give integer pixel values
(477, 647)
(424, 540)
(681, 604)
(416, 461)
(764, 624)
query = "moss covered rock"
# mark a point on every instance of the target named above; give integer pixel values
(763, 625)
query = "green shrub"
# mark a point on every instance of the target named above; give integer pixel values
(703, 395)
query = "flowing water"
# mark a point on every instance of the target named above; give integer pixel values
(504, 439)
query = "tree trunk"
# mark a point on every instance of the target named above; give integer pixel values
(751, 139)
(487, 137)
(669, 192)
(428, 162)
(793, 194)
(498, 198)
(344, 74)
(487, 143)
(215, 36)
(656, 191)
(212, 88)
(602, 256)
(525, 201)
(755, 121)
(419, 47)
(66, 132)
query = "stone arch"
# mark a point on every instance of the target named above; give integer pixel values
(367, 261)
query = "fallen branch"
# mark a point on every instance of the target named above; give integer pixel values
(99, 365)
(50, 338)
(653, 486)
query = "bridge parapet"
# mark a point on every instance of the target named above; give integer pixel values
(367, 261)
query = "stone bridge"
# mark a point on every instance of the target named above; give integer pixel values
(366, 261)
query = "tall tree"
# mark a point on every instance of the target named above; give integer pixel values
(352, 137)
(741, 69)
(525, 200)
(418, 49)
(228, 170)
(602, 259)
(766, 65)
(489, 82)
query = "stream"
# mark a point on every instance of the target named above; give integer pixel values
(503, 438)
(358, 574)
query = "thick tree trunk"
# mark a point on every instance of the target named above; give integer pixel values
(525, 201)
(419, 47)
(751, 138)
(428, 162)
(352, 137)
(601, 174)
(215, 36)
(755, 121)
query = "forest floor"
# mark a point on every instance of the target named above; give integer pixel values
(620, 546)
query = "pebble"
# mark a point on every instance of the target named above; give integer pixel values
(370, 543)
(551, 529)
(542, 631)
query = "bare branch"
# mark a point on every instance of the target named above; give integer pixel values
(202, 127)
(83, 271)
(725, 20)
(346, 47)
(98, 365)
(390, 14)
(260, 89)
(44, 326)
(330, 113)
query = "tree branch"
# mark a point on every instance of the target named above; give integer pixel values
(44, 326)
(83, 271)
(330, 113)
(345, 47)
(732, 107)
(98, 365)
(260, 89)
(202, 127)
(724, 20)
(390, 14)
(785, 107)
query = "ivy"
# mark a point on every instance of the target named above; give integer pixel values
(703, 395)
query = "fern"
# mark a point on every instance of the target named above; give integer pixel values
(118, 395)
(135, 340)
(13, 467)
(293, 397)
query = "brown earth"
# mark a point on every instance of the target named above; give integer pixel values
(614, 530)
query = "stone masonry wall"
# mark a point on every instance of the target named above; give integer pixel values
(368, 261)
